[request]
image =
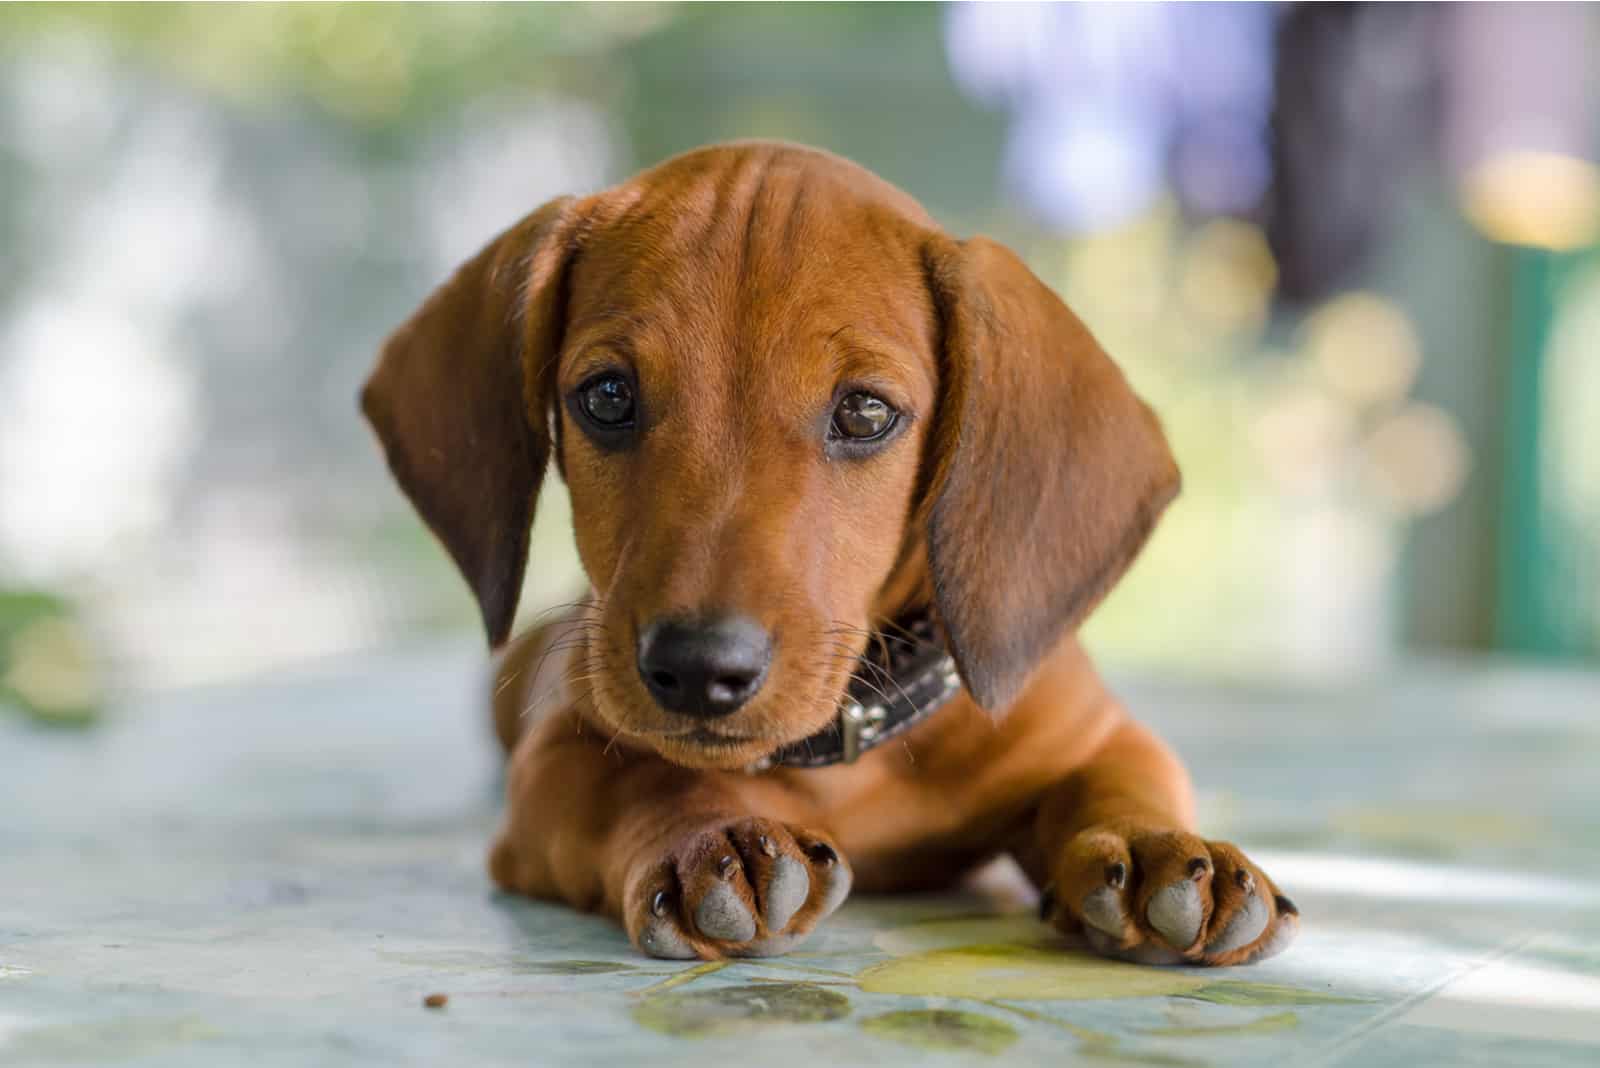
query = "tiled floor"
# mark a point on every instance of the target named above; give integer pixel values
(279, 874)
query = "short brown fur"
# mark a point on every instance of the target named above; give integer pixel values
(743, 285)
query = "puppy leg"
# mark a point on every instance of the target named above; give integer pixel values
(1125, 868)
(692, 863)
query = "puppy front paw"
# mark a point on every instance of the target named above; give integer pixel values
(1167, 897)
(751, 888)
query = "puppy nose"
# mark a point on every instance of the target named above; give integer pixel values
(704, 668)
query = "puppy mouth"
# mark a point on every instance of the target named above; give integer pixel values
(711, 747)
(707, 737)
(703, 747)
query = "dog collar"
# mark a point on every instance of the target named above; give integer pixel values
(902, 679)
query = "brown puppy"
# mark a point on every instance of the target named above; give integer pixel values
(790, 411)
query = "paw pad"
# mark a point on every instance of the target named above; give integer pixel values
(1177, 913)
(1103, 909)
(721, 915)
(1242, 928)
(1166, 897)
(786, 892)
(751, 888)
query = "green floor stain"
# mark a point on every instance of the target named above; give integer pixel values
(687, 975)
(1022, 972)
(571, 967)
(1264, 1025)
(731, 1010)
(1117, 1055)
(1240, 993)
(474, 961)
(942, 1029)
(1084, 1034)
(105, 1041)
(1098, 1045)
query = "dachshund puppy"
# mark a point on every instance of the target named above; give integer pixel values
(844, 488)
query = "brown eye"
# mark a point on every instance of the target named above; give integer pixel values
(862, 417)
(607, 400)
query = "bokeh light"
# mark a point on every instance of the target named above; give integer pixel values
(215, 214)
(1539, 199)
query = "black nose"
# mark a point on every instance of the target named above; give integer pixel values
(704, 668)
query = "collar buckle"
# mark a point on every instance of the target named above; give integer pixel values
(859, 725)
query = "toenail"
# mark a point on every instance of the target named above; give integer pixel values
(767, 848)
(727, 866)
(1047, 903)
(1117, 874)
(1285, 905)
(1198, 868)
(658, 904)
(821, 853)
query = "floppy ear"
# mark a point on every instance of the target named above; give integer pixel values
(459, 400)
(1049, 473)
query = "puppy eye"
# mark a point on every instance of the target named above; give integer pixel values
(608, 401)
(861, 416)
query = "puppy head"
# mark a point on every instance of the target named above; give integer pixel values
(778, 394)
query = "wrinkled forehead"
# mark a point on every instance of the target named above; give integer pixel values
(757, 260)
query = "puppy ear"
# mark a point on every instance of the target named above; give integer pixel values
(459, 400)
(1048, 472)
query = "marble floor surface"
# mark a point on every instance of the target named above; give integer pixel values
(279, 873)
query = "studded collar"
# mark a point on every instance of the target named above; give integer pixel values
(904, 677)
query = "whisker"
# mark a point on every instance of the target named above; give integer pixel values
(866, 681)
(564, 682)
(507, 681)
(885, 675)
(888, 622)
(575, 605)
(879, 640)
(615, 734)
(878, 670)
(561, 645)
(846, 628)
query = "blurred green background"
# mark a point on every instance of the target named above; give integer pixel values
(1376, 345)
